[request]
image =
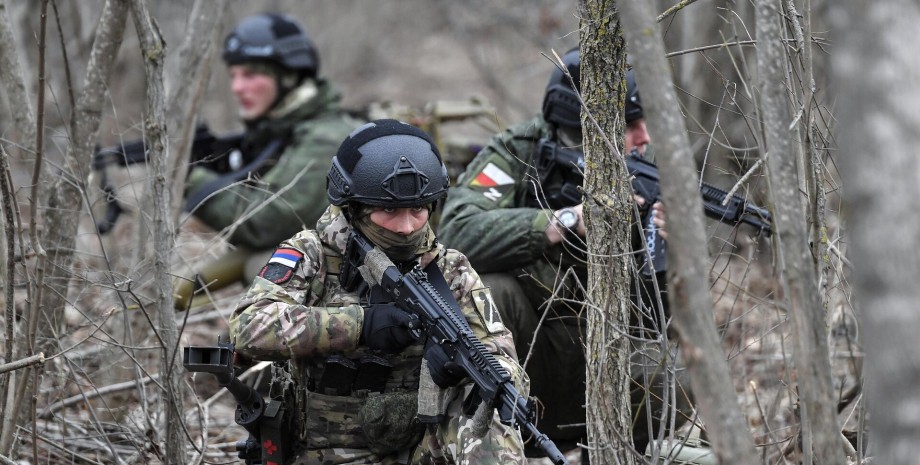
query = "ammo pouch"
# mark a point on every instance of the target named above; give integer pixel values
(390, 422)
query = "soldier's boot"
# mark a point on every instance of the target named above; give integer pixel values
(217, 274)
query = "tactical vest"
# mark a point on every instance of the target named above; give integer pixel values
(358, 400)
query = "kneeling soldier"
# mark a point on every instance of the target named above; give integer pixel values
(355, 362)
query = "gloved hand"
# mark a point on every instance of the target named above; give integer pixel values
(387, 327)
(444, 371)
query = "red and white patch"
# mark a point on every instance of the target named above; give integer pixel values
(491, 176)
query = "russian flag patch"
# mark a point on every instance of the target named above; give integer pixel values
(280, 267)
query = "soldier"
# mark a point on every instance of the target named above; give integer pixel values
(518, 217)
(293, 125)
(354, 360)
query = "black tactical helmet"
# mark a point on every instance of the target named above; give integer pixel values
(387, 163)
(633, 103)
(273, 37)
(560, 104)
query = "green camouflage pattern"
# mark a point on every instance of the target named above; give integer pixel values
(489, 217)
(495, 226)
(310, 317)
(313, 125)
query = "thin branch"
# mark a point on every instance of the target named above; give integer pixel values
(21, 363)
(674, 9)
(110, 389)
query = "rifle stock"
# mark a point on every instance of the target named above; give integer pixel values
(266, 422)
(443, 322)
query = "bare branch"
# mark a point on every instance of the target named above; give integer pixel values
(39, 358)
(686, 253)
(820, 429)
(153, 49)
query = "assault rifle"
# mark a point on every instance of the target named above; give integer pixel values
(268, 423)
(441, 319)
(717, 204)
(220, 154)
(553, 161)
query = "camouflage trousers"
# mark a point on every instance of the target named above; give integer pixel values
(337, 439)
(555, 363)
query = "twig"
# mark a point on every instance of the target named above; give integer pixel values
(744, 179)
(674, 9)
(38, 358)
(112, 388)
(710, 47)
(59, 447)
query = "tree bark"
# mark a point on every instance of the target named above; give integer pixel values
(64, 195)
(11, 75)
(153, 49)
(13, 79)
(195, 65)
(820, 428)
(876, 77)
(607, 208)
(688, 286)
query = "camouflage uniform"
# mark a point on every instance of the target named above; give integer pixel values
(492, 217)
(312, 124)
(308, 317)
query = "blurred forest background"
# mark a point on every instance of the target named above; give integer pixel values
(95, 401)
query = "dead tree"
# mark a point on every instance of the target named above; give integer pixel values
(608, 207)
(687, 256)
(819, 426)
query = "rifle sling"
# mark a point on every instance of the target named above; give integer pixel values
(205, 191)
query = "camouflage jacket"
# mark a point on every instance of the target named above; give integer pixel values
(490, 215)
(312, 125)
(306, 316)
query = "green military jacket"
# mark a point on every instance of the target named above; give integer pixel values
(289, 194)
(491, 217)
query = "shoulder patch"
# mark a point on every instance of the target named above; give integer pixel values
(485, 309)
(491, 176)
(280, 267)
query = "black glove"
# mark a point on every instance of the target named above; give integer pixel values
(387, 327)
(444, 371)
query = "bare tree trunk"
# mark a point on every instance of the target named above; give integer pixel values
(64, 195)
(820, 429)
(48, 295)
(603, 59)
(687, 256)
(153, 49)
(7, 414)
(876, 77)
(13, 79)
(11, 74)
(188, 90)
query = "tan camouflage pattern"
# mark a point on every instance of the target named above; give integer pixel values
(456, 440)
(499, 230)
(310, 317)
